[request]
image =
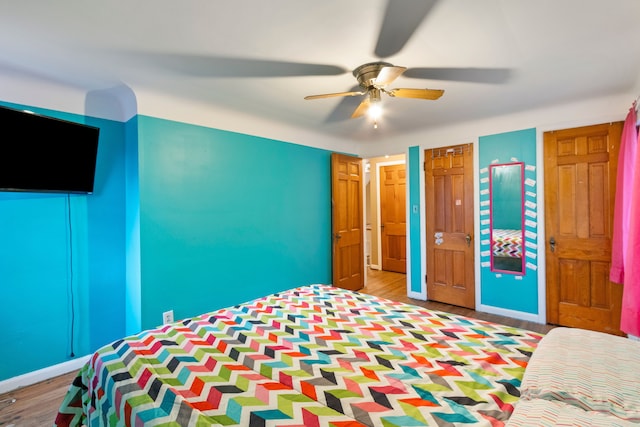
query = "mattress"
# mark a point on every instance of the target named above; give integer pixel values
(310, 356)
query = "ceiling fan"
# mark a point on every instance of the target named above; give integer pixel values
(373, 78)
(400, 20)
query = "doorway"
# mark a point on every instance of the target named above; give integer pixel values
(385, 188)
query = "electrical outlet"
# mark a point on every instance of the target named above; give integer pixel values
(167, 317)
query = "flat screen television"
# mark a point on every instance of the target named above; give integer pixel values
(45, 154)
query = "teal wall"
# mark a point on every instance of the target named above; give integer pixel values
(504, 290)
(61, 262)
(227, 217)
(415, 263)
(507, 201)
(183, 217)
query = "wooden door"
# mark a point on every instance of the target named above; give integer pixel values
(347, 221)
(449, 206)
(580, 174)
(393, 214)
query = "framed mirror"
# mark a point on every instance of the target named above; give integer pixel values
(506, 187)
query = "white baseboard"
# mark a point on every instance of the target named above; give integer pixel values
(530, 317)
(42, 374)
(416, 295)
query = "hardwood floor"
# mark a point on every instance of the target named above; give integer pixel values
(393, 286)
(37, 405)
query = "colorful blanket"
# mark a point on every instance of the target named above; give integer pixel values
(507, 243)
(311, 356)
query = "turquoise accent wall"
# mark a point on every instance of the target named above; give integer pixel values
(415, 265)
(61, 262)
(227, 217)
(504, 290)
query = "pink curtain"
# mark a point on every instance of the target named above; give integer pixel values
(624, 193)
(630, 319)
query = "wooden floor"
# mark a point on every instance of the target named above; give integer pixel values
(37, 405)
(393, 286)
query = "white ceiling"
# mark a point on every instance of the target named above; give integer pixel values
(547, 52)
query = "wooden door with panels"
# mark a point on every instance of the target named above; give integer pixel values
(449, 224)
(347, 221)
(393, 217)
(580, 174)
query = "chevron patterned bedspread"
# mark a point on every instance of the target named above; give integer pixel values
(311, 356)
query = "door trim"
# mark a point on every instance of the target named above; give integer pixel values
(542, 239)
(422, 295)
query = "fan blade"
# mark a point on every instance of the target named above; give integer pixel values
(473, 75)
(388, 75)
(362, 108)
(416, 93)
(332, 95)
(401, 19)
(344, 109)
(225, 66)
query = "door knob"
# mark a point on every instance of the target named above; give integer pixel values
(552, 244)
(468, 239)
(338, 236)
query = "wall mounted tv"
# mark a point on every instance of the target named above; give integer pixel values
(44, 154)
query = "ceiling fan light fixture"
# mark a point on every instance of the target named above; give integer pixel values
(374, 112)
(373, 79)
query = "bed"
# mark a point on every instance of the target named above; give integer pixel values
(310, 356)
